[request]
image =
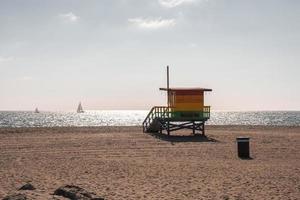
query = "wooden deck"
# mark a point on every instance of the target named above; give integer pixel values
(163, 118)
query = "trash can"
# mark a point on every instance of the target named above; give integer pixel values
(243, 147)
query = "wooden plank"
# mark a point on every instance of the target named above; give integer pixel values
(189, 99)
(188, 107)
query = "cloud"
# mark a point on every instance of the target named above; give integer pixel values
(174, 3)
(192, 45)
(152, 23)
(69, 17)
(6, 59)
(25, 78)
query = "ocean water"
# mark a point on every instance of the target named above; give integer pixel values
(135, 118)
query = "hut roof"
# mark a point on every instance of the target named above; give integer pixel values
(187, 89)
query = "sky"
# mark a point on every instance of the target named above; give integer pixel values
(112, 54)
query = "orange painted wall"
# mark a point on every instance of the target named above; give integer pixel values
(187, 101)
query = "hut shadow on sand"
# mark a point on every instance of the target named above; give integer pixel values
(182, 138)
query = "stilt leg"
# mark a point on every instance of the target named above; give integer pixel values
(168, 128)
(193, 127)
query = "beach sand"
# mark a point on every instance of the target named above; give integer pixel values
(124, 163)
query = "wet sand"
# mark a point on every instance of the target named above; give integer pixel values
(124, 163)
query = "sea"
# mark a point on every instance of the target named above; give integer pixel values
(136, 117)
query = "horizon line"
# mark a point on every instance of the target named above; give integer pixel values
(275, 110)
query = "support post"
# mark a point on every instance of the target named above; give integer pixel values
(193, 127)
(168, 87)
(168, 99)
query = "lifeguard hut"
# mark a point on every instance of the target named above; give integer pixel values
(185, 110)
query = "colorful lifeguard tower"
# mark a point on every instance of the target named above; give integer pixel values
(185, 109)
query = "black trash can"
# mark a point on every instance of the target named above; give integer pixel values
(243, 147)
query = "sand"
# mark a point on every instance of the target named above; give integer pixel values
(124, 163)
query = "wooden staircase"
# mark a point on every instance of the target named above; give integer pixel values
(155, 120)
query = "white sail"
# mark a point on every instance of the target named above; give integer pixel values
(80, 109)
(36, 110)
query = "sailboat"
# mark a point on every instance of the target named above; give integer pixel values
(36, 110)
(79, 108)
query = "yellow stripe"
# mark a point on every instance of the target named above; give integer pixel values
(188, 106)
(187, 109)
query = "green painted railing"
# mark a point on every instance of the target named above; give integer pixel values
(190, 115)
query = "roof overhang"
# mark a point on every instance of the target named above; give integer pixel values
(187, 89)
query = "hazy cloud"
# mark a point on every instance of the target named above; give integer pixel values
(6, 59)
(174, 3)
(26, 78)
(69, 17)
(192, 45)
(152, 23)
